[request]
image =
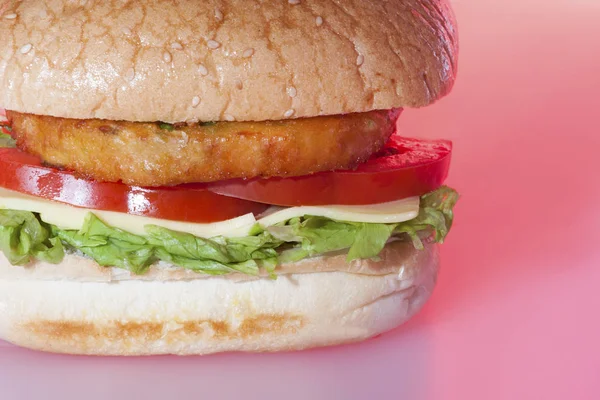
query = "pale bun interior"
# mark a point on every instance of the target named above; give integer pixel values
(199, 316)
(158, 60)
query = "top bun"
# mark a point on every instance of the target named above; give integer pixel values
(159, 60)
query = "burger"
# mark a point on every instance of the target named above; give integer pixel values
(195, 177)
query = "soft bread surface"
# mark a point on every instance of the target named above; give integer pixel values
(158, 60)
(199, 316)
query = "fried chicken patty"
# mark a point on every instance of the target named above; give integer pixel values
(157, 154)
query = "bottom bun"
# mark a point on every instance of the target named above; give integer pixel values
(201, 316)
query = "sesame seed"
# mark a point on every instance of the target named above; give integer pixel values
(127, 31)
(26, 49)
(167, 57)
(203, 70)
(248, 53)
(184, 135)
(195, 101)
(229, 117)
(294, 2)
(319, 20)
(360, 60)
(291, 91)
(218, 15)
(176, 46)
(289, 113)
(238, 84)
(10, 16)
(130, 74)
(213, 44)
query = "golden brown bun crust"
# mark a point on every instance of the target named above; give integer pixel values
(154, 60)
(200, 316)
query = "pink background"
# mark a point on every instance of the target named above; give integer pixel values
(516, 314)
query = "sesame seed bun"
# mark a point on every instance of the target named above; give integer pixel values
(317, 302)
(158, 60)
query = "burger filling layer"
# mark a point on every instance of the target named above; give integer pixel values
(159, 154)
(25, 236)
(32, 228)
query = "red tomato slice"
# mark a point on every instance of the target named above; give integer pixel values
(24, 173)
(404, 168)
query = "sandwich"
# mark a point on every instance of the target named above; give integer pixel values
(196, 177)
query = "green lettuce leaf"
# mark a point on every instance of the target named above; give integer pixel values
(23, 237)
(109, 246)
(94, 228)
(434, 219)
(319, 235)
(316, 235)
(370, 240)
(5, 139)
(209, 267)
(216, 255)
(187, 245)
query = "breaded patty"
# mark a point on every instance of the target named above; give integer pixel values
(156, 154)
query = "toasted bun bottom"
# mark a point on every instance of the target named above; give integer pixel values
(201, 316)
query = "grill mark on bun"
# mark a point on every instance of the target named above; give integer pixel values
(89, 334)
